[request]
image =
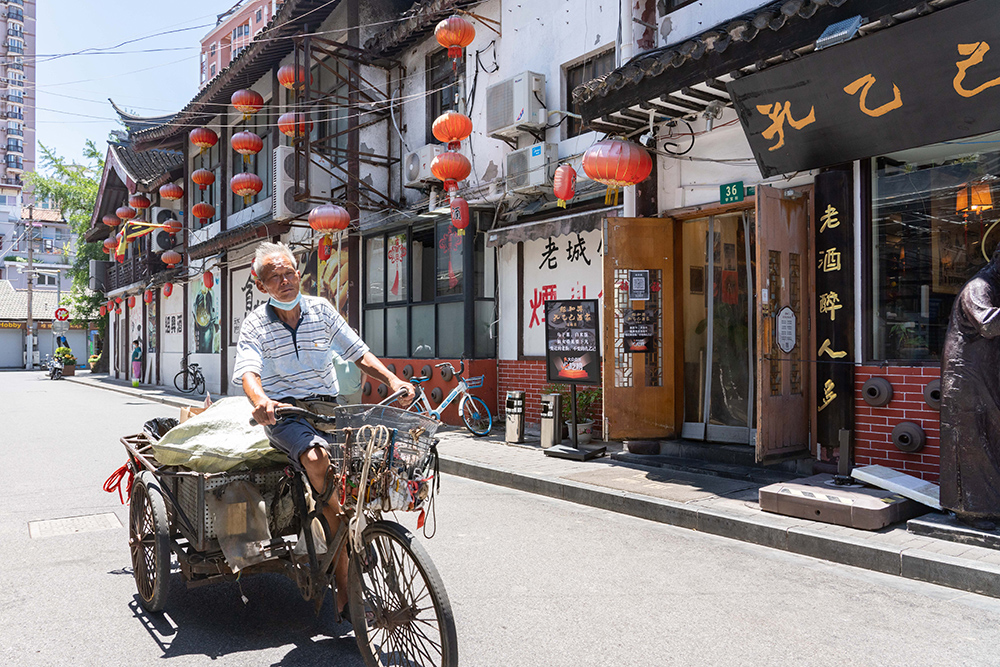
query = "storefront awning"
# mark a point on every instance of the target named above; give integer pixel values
(559, 226)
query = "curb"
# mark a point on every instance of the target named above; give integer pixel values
(796, 536)
(173, 401)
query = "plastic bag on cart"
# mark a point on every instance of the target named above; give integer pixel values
(240, 518)
(217, 440)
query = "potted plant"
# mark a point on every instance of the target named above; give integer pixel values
(92, 362)
(65, 356)
(586, 400)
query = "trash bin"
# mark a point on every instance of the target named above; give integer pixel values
(515, 416)
(551, 420)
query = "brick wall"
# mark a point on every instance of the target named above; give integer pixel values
(873, 437)
(527, 376)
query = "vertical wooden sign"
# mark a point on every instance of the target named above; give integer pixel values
(835, 299)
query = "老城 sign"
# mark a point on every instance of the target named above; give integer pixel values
(572, 343)
(862, 98)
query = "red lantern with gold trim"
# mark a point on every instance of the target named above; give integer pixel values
(247, 102)
(564, 184)
(202, 178)
(452, 128)
(203, 211)
(139, 201)
(173, 226)
(111, 220)
(110, 244)
(329, 218)
(246, 185)
(147, 296)
(118, 311)
(617, 163)
(203, 138)
(450, 168)
(247, 144)
(455, 33)
(294, 124)
(131, 302)
(287, 76)
(103, 311)
(168, 288)
(171, 192)
(125, 213)
(171, 258)
(459, 214)
(208, 279)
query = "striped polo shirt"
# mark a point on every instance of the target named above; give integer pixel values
(296, 363)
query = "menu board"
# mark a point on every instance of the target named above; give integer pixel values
(572, 342)
(640, 330)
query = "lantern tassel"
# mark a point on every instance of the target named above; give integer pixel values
(246, 200)
(561, 203)
(246, 159)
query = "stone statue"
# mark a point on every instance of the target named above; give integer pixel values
(970, 402)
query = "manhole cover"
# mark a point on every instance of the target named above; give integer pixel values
(73, 524)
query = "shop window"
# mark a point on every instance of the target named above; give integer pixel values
(581, 73)
(441, 91)
(934, 224)
(418, 302)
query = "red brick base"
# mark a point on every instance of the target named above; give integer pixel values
(527, 376)
(873, 437)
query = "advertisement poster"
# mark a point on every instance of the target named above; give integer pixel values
(572, 342)
(640, 330)
(334, 277)
(244, 297)
(205, 315)
(151, 327)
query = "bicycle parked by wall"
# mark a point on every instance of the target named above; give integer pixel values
(190, 379)
(473, 409)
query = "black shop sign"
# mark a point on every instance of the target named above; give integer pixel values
(928, 80)
(639, 330)
(572, 343)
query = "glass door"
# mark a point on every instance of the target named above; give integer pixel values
(718, 305)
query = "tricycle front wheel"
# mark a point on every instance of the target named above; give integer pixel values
(149, 541)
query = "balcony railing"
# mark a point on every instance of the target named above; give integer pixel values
(17, 66)
(15, 132)
(16, 182)
(15, 33)
(15, 148)
(14, 48)
(137, 269)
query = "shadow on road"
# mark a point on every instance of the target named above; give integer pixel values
(213, 621)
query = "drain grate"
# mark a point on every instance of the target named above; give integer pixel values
(73, 524)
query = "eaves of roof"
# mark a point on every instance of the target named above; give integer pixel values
(415, 23)
(237, 236)
(664, 80)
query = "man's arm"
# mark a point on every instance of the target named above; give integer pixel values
(372, 366)
(263, 407)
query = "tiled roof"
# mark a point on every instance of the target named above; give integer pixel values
(42, 214)
(416, 22)
(14, 303)
(148, 169)
(134, 123)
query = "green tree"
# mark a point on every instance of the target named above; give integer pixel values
(73, 187)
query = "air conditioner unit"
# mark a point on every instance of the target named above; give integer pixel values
(159, 215)
(98, 275)
(513, 106)
(417, 166)
(283, 204)
(531, 170)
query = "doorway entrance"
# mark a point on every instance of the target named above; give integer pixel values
(718, 297)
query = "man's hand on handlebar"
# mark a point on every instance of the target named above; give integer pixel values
(263, 412)
(408, 397)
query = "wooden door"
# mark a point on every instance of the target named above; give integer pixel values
(641, 389)
(785, 264)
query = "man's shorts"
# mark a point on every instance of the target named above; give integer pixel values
(295, 436)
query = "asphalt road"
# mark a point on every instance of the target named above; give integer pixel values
(533, 581)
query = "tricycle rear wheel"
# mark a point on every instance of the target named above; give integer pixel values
(396, 586)
(149, 542)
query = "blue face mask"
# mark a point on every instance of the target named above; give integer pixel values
(286, 305)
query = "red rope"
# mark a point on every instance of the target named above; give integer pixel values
(114, 482)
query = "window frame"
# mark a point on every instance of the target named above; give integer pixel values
(574, 126)
(434, 107)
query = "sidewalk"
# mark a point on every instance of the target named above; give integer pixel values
(705, 503)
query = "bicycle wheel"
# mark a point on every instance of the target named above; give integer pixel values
(399, 608)
(476, 415)
(179, 381)
(199, 383)
(149, 542)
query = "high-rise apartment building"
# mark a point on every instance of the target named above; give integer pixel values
(17, 94)
(232, 33)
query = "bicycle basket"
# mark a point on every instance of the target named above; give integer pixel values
(475, 383)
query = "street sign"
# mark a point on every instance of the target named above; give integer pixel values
(730, 193)
(62, 314)
(60, 327)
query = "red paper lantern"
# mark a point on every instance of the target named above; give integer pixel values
(170, 258)
(323, 249)
(168, 288)
(139, 201)
(329, 217)
(109, 244)
(247, 144)
(173, 226)
(287, 75)
(203, 138)
(125, 213)
(246, 185)
(147, 296)
(203, 178)
(452, 128)
(455, 33)
(118, 311)
(131, 302)
(171, 192)
(208, 279)
(564, 184)
(203, 211)
(617, 163)
(118, 300)
(248, 102)
(104, 311)
(111, 220)
(451, 167)
(294, 124)
(459, 214)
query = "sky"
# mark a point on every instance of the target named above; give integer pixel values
(150, 77)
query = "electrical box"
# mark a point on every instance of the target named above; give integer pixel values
(515, 416)
(531, 170)
(513, 106)
(551, 419)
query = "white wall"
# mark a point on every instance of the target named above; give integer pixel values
(698, 17)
